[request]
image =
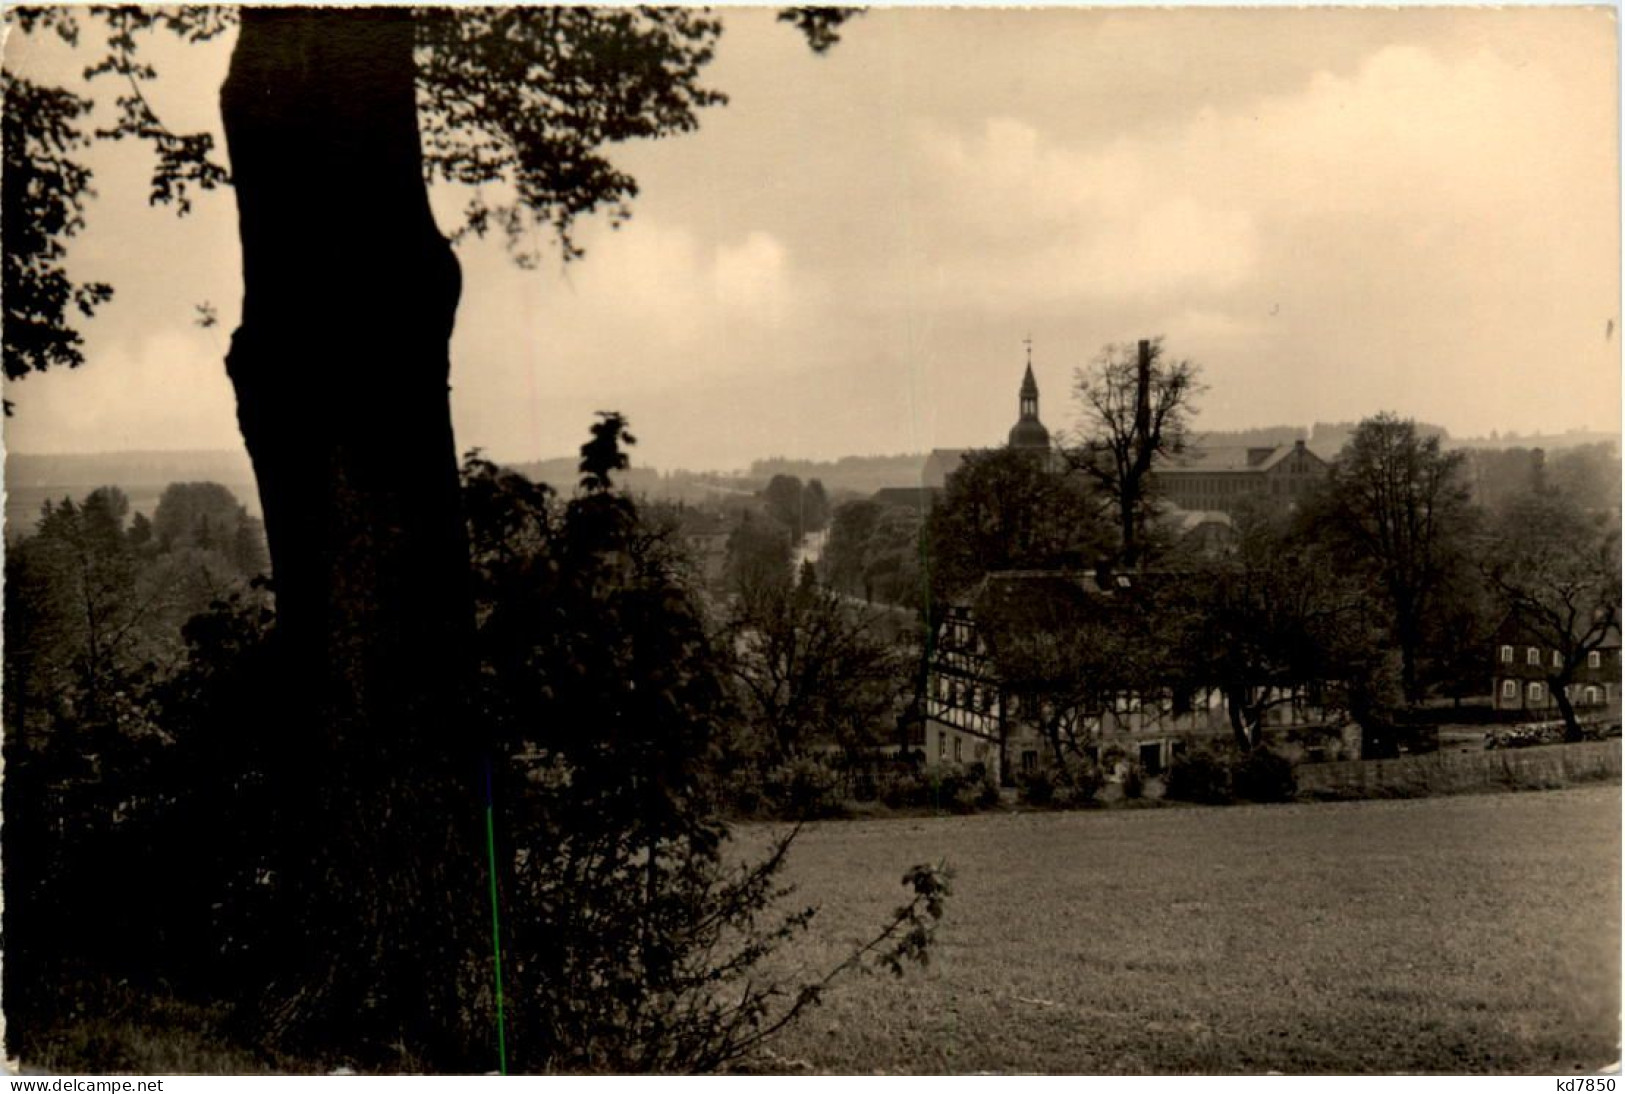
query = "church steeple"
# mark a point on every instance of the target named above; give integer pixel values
(1029, 432)
(1029, 396)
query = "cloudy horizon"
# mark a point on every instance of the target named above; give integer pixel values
(1333, 211)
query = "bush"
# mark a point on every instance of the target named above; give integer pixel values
(1134, 781)
(957, 789)
(1078, 785)
(1200, 777)
(1263, 776)
(1036, 787)
(1068, 789)
(803, 789)
(905, 790)
(973, 789)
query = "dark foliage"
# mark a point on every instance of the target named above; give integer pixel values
(1198, 776)
(812, 670)
(820, 25)
(1006, 509)
(634, 944)
(803, 789)
(1260, 775)
(44, 195)
(1075, 786)
(112, 803)
(877, 552)
(1395, 509)
(529, 98)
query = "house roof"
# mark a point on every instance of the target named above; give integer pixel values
(906, 497)
(1513, 629)
(1236, 457)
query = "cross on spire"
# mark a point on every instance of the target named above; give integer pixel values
(1028, 342)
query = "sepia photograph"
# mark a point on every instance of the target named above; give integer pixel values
(895, 541)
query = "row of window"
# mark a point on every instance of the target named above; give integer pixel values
(1591, 696)
(1532, 657)
(983, 699)
(958, 746)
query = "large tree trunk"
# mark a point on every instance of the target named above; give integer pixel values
(340, 368)
(1408, 635)
(1242, 717)
(1127, 504)
(1559, 686)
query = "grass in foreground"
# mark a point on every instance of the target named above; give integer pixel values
(1447, 935)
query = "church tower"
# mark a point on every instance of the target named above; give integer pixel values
(1029, 433)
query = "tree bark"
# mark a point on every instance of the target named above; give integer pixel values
(340, 368)
(1559, 686)
(1240, 713)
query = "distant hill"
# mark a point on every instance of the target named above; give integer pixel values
(563, 474)
(1268, 436)
(34, 478)
(856, 474)
(1551, 442)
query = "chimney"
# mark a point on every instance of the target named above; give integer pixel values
(1142, 395)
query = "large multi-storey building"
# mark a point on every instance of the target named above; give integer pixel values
(1224, 478)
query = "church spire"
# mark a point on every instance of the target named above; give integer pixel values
(1029, 432)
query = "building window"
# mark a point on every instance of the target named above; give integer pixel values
(1594, 659)
(942, 745)
(1506, 654)
(1557, 660)
(1537, 693)
(1509, 689)
(1592, 697)
(1534, 656)
(1029, 760)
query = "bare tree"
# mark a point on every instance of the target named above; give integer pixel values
(1557, 569)
(1136, 406)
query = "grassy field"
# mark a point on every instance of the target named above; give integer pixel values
(1454, 935)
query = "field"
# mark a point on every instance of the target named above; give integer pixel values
(1447, 935)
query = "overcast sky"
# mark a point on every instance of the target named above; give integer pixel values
(1333, 212)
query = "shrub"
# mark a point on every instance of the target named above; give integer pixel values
(1198, 776)
(803, 789)
(1065, 789)
(957, 789)
(745, 791)
(1078, 785)
(1037, 787)
(906, 790)
(1263, 776)
(1134, 781)
(973, 789)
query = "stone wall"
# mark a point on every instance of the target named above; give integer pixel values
(1462, 771)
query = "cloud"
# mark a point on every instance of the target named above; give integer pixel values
(752, 277)
(165, 391)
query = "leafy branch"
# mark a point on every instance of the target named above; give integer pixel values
(184, 159)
